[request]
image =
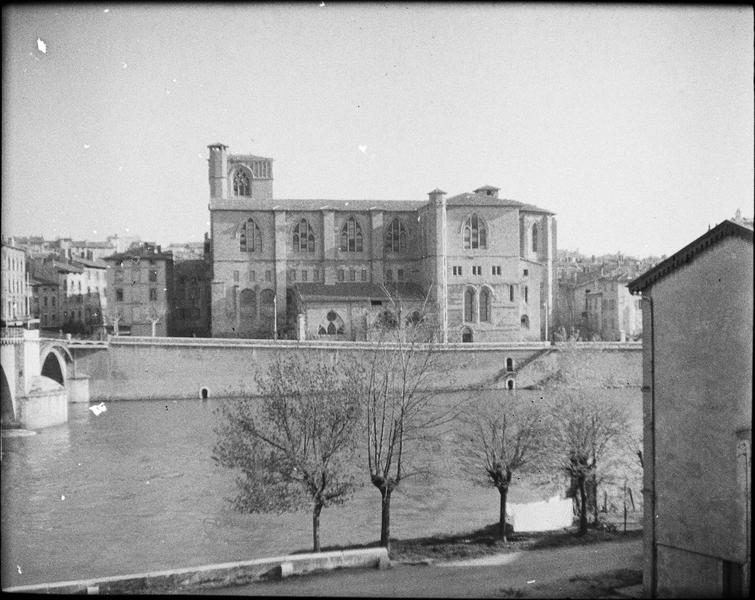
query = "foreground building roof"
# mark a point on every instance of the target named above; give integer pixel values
(687, 254)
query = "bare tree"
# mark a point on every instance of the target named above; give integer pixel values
(154, 314)
(587, 437)
(114, 315)
(400, 412)
(295, 446)
(500, 436)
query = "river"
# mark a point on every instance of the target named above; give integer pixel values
(135, 489)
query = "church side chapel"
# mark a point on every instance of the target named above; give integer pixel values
(471, 267)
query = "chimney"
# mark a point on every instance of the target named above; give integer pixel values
(218, 173)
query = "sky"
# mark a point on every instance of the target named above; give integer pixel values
(634, 124)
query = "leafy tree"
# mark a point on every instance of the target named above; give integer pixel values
(400, 408)
(294, 446)
(586, 437)
(500, 436)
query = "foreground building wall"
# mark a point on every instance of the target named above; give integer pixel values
(698, 417)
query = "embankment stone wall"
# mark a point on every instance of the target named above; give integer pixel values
(180, 368)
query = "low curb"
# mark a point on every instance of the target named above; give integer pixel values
(224, 574)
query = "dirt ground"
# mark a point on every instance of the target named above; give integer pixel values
(597, 570)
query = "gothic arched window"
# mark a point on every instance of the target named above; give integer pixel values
(241, 185)
(534, 237)
(250, 238)
(469, 305)
(484, 305)
(475, 233)
(351, 236)
(525, 322)
(395, 237)
(335, 325)
(303, 237)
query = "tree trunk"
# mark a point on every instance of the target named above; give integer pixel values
(582, 506)
(502, 515)
(385, 519)
(316, 526)
(595, 497)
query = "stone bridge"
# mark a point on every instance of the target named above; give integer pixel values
(39, 377)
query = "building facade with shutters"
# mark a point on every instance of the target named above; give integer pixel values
(478, 267)
(140, 291)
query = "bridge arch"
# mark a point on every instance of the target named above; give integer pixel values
(53, 361)
(8, 401)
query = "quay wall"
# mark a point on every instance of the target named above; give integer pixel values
(141, 368)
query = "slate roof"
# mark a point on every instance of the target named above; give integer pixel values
(43, 279)
(690, 251)
(94, 264)
(358, 291)
(314, 204)
(472, 199)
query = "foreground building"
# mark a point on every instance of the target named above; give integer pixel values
(697, 406)
(333, 268)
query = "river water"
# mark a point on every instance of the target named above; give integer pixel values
(135, 489)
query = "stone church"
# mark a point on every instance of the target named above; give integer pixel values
(479, 268)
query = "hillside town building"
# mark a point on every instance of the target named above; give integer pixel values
(331, 269)
(140, 291)
(697, 407)
(16, 286)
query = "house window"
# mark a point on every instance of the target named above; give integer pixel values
(401, 274)
(351, 236)
(268, 276)
(526, 272)
(292, 274)
(395, 237)
(119, 294)
(484, 305)
(352, 275)
(44, 301)
(534, 237)
(252, 276)
(250, 238)
(509, 364)
(340, 275)
(457, 270)
(303, 237)
(304, 275)
(526, 293)
(389, 275)
(53, 300)
(469, 305)
(525, 321)
(241, 185)
(511, 293)
(475, 233)
(476, 270)
(153, 294)
(497, 270)
(235, 276)
(316, 275)
(364, 274)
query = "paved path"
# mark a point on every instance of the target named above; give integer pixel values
(541, 573)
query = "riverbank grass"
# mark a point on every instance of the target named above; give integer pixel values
(485, 542)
